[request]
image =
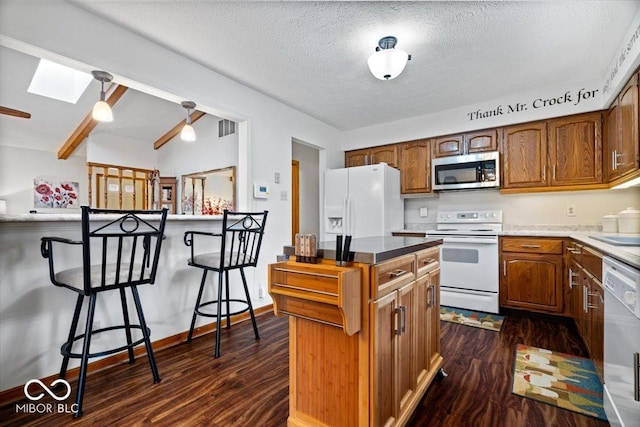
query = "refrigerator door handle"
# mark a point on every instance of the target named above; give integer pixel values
(345, 215)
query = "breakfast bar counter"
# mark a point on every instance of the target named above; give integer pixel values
(35, 315)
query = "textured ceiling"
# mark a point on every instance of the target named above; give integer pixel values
(312, 55)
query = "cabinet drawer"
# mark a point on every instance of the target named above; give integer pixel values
(391, 275)
(427, 260)
(320, 292)
(532, 245)
(592, 262)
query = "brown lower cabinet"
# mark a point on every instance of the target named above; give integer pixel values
(364, 340)
(531, 276)
(584, 274)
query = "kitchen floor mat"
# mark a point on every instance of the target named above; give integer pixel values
(559, 379)
(477, 319)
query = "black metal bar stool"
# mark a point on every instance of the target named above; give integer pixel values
(240, 242)
(119, 251)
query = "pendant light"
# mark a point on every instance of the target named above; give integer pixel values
(101, 110)
(187, 133)
(386, 62)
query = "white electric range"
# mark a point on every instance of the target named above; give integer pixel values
(469, 273)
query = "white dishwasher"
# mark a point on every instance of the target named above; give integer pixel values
(621, 343)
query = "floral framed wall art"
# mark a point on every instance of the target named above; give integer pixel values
(50, 193)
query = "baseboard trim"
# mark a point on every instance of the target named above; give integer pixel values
(17, 393)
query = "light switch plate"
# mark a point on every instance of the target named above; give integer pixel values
(424, 212)
(276, 178)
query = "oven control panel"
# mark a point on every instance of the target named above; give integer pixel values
(471, 216)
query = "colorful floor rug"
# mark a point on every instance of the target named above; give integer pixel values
(476, 319)
(559, 379)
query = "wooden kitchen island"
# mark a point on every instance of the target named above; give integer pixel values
(364, 339)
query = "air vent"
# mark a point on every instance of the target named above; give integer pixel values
(226, 127)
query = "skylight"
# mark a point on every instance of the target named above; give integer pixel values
(59, 82)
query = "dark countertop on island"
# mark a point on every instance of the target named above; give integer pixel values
(372, 250)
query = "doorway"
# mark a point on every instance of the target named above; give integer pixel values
(295, 200)
(305, 188)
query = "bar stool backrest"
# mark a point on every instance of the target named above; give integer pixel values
(241, 238)
(122, 249)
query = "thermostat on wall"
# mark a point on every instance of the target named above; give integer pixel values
(260, 191)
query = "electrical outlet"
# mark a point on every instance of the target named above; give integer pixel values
(260, 292)
(571, 210)
(424, 212)
(283, 195)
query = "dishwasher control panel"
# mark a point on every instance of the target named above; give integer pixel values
(623, 282)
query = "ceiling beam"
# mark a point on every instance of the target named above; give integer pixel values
(15, 113)
(176, 130)
(86, 126)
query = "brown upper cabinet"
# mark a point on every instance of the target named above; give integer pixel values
(622, 154)
(371, 156)
(575, 149)
(560, 152)
(472, 142)
(415, 164)
(524, 155)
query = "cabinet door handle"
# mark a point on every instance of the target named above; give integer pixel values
(636, 377)
(613, 160)
(504, 268)
(554, 172)
(428, 261)
(531, 246)
(404, 318)
(397, 313)
(397, 273)
(571, 276)
(544, 172)
(585, 299)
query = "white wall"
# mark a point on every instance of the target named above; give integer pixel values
(530, 208)
(120, 151)
(18, 168)
(309, 187)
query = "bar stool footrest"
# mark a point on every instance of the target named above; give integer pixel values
(65, 350)
(224, 301)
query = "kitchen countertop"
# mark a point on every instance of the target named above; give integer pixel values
(627, 254)
(65, 217)
(372, 250)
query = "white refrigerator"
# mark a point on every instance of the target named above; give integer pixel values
(362, 201)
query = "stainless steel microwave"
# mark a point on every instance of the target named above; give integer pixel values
(479, 170)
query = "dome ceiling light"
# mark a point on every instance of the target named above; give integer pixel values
(387, 62)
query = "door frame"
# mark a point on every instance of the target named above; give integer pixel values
(295, 199)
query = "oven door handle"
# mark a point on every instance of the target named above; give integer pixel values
(472, 240)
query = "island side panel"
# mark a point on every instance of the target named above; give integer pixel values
(326, 375)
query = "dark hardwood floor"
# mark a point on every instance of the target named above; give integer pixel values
(479, 363)
(248, 385)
